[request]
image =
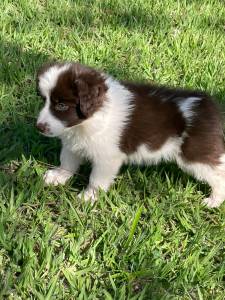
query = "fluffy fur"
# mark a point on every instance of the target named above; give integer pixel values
(110, 123)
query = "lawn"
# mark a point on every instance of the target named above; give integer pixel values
(149, 237)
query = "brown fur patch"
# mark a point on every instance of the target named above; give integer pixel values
(204, 142)
(156, 117)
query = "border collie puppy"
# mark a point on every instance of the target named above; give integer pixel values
(111, 122)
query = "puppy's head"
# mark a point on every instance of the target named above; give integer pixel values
(71, 93)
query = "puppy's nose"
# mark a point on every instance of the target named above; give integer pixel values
(42, 127)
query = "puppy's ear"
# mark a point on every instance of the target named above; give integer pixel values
(90, 95)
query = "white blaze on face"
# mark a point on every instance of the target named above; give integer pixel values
(47, 81)
(55, 126)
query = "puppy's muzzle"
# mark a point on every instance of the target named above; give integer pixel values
(43, 127)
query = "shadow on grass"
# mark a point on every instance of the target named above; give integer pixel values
(17, 63)
(22, 139)
(18, 133)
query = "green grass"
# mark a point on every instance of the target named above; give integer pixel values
(149, 237)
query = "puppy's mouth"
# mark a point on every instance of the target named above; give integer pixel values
(47, 134)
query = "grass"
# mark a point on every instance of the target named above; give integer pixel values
(149, 237)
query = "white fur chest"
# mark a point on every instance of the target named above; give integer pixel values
(91, 143)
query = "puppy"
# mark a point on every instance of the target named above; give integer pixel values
(111, 122)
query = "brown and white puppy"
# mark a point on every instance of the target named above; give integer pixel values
(111, 122)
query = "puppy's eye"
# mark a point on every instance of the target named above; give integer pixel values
(61, 107)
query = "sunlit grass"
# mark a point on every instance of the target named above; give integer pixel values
(149, 237)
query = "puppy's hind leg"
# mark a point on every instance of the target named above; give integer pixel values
(217, 183)
(213, 175)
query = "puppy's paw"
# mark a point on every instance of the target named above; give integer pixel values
(57, 176)
(212, 202)
(89, 194)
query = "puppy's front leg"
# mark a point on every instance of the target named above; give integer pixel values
(102, 176)
(70, 163)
